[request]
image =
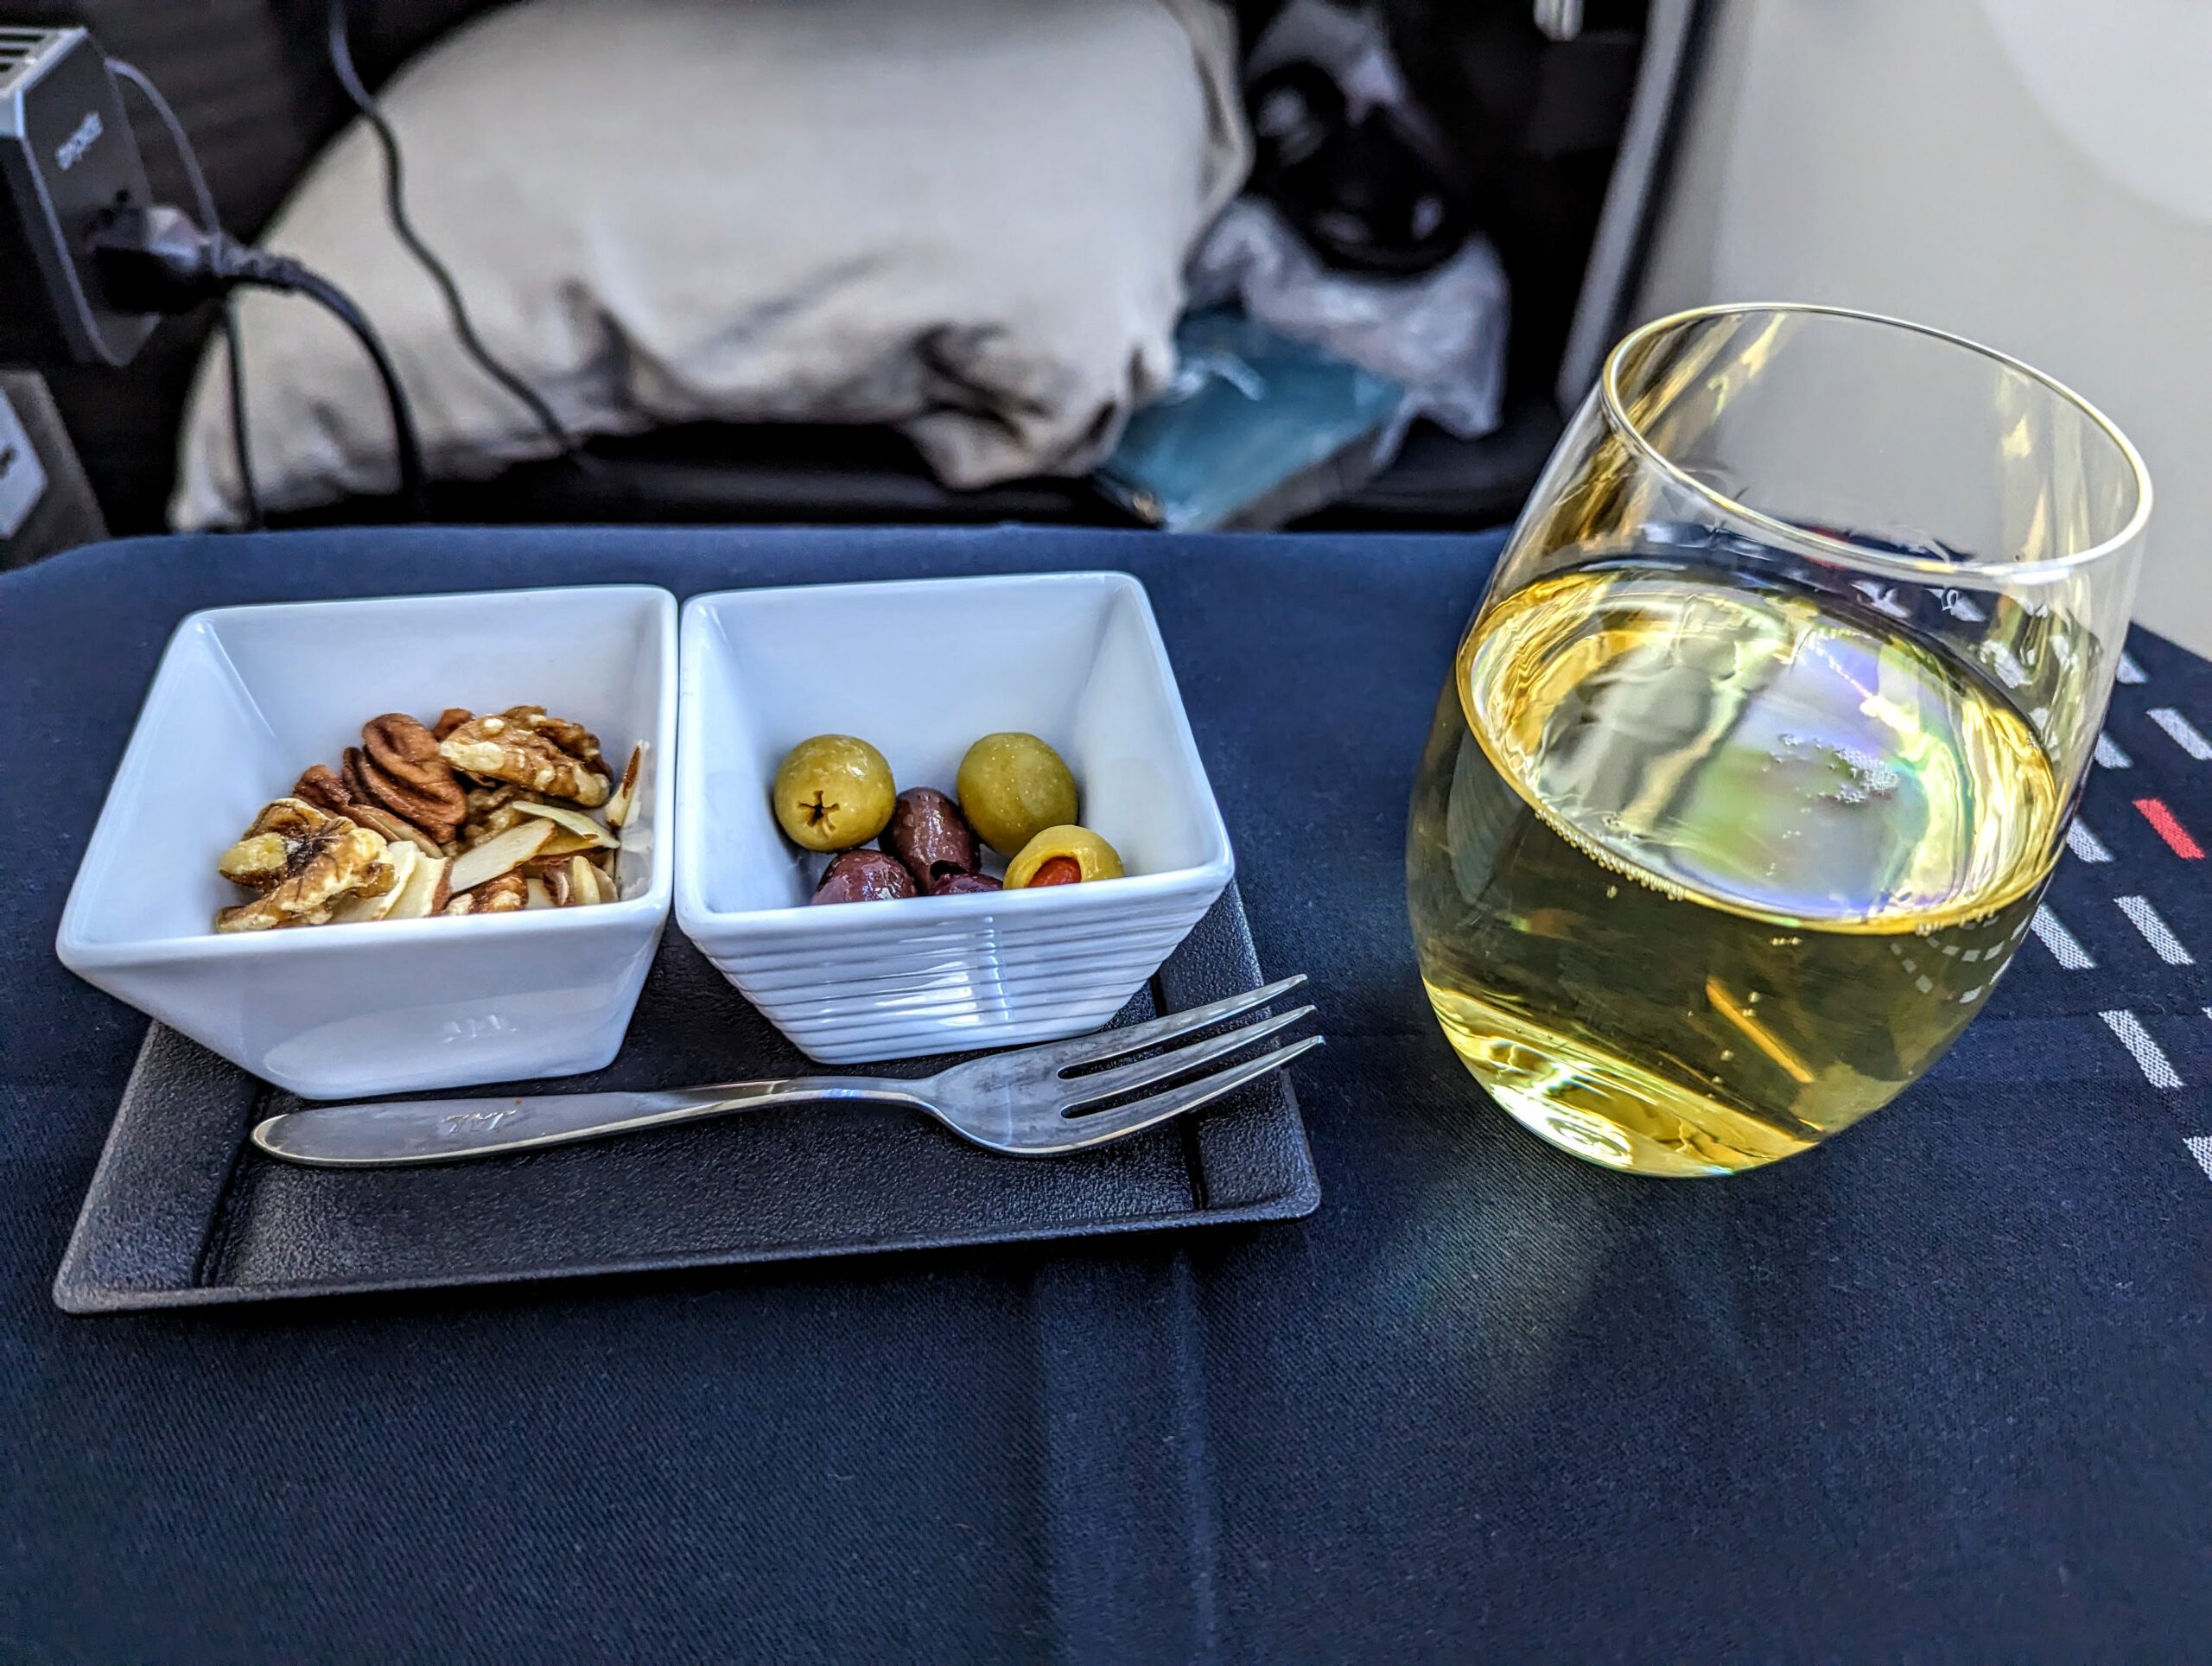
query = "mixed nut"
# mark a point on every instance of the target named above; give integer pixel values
(835, 792)
(470, 815)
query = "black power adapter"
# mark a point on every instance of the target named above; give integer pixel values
(89, 263)
(70, 167)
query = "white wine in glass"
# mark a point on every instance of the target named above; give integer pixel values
(1757, 757)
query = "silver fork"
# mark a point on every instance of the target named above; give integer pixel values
(1023, 1103)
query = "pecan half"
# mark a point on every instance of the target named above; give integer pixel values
(404, 774)
(327, 789)
(322, 787)
(368, 786)
(395, 830)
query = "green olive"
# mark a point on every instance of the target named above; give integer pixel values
(1012, 786)
(833, 791)
(1063, 856)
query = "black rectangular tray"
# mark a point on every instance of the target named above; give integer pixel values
(184, 1210)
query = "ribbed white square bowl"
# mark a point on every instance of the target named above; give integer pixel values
(921, 670)
(247, 697)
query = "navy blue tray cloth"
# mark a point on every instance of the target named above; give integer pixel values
(1936, 1390)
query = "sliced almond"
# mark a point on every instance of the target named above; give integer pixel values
(403, 859)
(565, 844)
(500, 854)
(556, 884)
(624, 798)
(572, 821)
(535, 895)
(425, 891)
(585, 885)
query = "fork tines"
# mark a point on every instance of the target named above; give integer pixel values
(1102, 1085)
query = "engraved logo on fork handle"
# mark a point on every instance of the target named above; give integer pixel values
(425, 1131)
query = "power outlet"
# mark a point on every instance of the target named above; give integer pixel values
(22, 476)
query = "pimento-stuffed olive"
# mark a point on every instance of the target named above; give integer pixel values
(1063, 856)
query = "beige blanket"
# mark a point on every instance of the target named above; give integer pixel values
(965, 217)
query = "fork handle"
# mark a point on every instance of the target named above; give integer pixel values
(441, 1130)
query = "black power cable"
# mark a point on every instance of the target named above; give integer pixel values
(188, 160)
(296, 279)
(157, 260)
(349, 78)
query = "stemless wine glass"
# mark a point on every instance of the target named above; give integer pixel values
(1760, 749)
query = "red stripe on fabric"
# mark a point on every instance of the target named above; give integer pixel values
(2170, 830)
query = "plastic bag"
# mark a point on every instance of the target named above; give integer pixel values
(1442, 335)
(1257, 430)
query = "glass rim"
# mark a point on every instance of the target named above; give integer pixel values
(1825, 545)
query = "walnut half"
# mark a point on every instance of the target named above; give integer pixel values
(505, 895)
(302, 860)
(495, 810)
(522, 745)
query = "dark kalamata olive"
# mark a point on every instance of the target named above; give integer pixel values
(865, 876)
(959, 885)
(930, 835)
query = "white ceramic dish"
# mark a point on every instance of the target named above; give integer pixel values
(247, 697)
(922, 670)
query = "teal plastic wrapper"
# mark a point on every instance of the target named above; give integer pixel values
(1256, 429)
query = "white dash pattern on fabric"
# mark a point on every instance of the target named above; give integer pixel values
(2199, 1147)
(2183, 733)
(2065, 948)
(2156, 932)
(2158, 1070)
(2110, 755)
(2129, 671)
(2086, 845)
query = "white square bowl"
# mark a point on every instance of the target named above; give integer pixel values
(247, 697)
(922, 670)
